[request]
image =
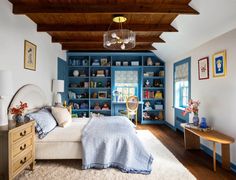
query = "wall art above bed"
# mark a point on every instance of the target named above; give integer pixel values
(30, 56)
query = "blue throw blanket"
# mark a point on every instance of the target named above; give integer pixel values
(112, 142)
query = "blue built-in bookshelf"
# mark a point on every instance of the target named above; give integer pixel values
(94, 76)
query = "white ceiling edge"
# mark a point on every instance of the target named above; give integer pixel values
(216, 18)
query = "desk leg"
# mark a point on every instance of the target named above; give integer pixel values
(191, 141)
(214, 156)
(225, 156)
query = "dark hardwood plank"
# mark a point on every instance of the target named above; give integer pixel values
(102, 28)
(196, 161)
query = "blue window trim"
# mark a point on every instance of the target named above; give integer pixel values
(186, 60)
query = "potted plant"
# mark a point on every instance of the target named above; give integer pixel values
(193, 108)
(18, 112)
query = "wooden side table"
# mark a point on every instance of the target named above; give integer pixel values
(17, 148)
(192, 141)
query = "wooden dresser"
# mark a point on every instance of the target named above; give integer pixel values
(17, 148)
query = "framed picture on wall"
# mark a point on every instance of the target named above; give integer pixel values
(203, 68)
(30, 56)
(219, 64)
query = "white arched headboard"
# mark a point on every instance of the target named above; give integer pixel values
(30, 94)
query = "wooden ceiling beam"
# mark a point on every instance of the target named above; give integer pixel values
(115, 8)
(91, 47)
(97, 39)
(102, 28)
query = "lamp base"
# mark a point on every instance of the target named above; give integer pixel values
(57, 98)
(3, 113)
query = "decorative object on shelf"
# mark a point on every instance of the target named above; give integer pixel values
(104, 62)
(73, 85)
(75, 73)
(96, 62)
(158, 95)
(118, 63)
(157, 64)
(147, 83)
(219, 64)
(107, 73)
(5, 91)
(134, 63)
(71, 95)
(102, 94)
(160, 115)
(147, 106)
(125, 63)
(156, 83)
(158, 106)
(193, 108)
(94, 95)
(146, 116)
(85, 62)
(75, 106)
(162, 73)
(97, 106)
(203, 68)
(108, 84)
(82, 74)
(119, 39)
(30, 55)
(149, 61)
(203, 123)
(18, 112)
(99, 84)
(57, 88)
(100, 73)
(84, 105)
(86, 84)
(105, 106)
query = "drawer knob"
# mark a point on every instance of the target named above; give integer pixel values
(23, 147)
(23, 161)
(23, 134)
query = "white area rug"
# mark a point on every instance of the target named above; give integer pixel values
(165, 167)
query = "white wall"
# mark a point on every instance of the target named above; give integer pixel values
(217, 95)
(14, 29)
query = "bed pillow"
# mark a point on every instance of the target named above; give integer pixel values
(62, 116)
(45, 122)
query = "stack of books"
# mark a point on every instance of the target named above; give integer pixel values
(192, 126)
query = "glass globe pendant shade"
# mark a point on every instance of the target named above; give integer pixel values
(119, 39)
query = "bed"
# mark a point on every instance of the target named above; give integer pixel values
(54, 145)
(101, 142)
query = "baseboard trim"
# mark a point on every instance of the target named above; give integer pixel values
(218, 157)
(170, 126)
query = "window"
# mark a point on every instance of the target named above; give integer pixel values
(181, 85)
(126, 83)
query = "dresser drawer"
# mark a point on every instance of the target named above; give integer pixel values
(22, 146)
(22, 161)
(22, 132)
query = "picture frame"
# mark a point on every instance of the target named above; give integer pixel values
(102, 94)
(103, 61)
(30, 55)
(219, 64)
(203, 68)
(118, 63)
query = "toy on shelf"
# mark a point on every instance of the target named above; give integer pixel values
(84, 106)
(94, 95)
(97, 106)
(158, 95)
(105, 107)
(146, 116)
(156, 83)
(149, 61)
(148, 106)
(75, 106)
(147, 83)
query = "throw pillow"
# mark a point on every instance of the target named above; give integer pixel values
(62, 116)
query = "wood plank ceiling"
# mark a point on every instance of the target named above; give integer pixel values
(79, 24)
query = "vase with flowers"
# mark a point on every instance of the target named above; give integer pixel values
(18, 112)
(193, 107)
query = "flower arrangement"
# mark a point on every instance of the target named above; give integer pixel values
(192, 107)
(19, 110)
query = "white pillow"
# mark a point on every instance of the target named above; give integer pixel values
(62, 116)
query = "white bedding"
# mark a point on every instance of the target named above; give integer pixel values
(62, 143)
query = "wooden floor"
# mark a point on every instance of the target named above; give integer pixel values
(197, 162)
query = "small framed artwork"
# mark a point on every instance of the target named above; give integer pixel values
(219, 64)
(203, 68)
(30, 56)
(103, 61)
(102, 94)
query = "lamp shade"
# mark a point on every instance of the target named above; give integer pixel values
(57, 85)
(5, 82)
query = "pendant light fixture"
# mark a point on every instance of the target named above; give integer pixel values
(119, 39)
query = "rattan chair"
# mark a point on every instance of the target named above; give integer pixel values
(132, 108)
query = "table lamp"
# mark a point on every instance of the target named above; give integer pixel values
(5, 91)
(57, 88)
